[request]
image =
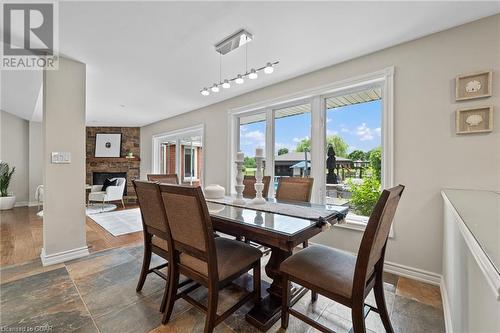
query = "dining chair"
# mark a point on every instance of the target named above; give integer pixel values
(249, 182)
(294, 189)
(344, 277)
(210, 262)
(156, 232)
(166, 178)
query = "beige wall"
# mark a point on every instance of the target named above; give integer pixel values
(64, 131)
(14, 150)
(428, 155)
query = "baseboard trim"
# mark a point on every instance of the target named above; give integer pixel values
(63, 256)
(446, 308)
(413, 273)
(33, 204)
(21, 204)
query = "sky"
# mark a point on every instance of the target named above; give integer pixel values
(359, 126)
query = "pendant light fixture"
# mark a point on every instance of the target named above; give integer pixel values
(227, 45)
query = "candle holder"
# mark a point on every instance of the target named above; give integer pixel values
(239, 184)
(259, 186)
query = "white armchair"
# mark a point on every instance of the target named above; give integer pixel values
(112, 193)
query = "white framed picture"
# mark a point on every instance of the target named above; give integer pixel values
(108, 145)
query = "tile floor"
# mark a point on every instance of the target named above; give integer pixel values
(97, 294)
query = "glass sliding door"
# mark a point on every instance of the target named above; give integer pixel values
(180, 152)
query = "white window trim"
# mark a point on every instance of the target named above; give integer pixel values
(383, 78)
(194, 161)
(177, 135)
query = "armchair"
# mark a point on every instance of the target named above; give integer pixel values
(112, 193)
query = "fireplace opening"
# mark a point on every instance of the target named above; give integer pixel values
(98, 178)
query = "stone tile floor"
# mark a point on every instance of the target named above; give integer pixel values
(97, 294)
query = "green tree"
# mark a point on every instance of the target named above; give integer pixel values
(282, 151)
(339, 145)
(364, 196)
(376, 162)
(249, 162)
(357, 155)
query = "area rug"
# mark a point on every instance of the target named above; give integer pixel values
(99, 208)
(120, 222)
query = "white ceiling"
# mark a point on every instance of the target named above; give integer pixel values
(154, 57)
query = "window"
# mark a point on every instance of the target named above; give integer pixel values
(252, 135)
(292, 141)
(180, 152)
(353, 117)
(354, 147)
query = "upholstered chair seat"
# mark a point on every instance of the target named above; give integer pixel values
(232, 257)
(326, 268)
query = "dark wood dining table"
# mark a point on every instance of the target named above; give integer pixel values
(280, 232)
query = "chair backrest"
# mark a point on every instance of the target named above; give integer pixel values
(294, 189)
(190, 224)
(167, 178)
(154, 218)
(249, 182)
(372, 248)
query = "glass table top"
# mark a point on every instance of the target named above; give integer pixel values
(269, 221)
(480, 211)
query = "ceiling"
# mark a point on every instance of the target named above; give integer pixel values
(147, 61)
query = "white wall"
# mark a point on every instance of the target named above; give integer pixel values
(35, 158)
(64, 131)
(14, 150)
(428, 155)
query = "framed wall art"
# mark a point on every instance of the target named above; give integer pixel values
(107, 145)
(474, 120)
(473, 85)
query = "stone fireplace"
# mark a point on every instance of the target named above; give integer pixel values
(100, 168)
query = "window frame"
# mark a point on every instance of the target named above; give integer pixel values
(383, 79)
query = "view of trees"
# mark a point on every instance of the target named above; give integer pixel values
(282, 151)
(339, 145)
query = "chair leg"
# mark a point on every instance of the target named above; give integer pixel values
(285, 301)
(166, 291)
(213, 300)
(358, 318)
(173, 284)
(123, 204)
(145, 263)
(256, 282)
(378, 290)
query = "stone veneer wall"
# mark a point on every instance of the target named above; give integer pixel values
(130, 143)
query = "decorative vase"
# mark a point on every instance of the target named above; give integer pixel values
(7, 202)
(214, 191)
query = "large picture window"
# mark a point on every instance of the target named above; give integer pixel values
(341, 135)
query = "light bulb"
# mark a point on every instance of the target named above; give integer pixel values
(239, 79)
(253, 74)
(215, 88)
(269, 68)
(205, 92)
(226, 84)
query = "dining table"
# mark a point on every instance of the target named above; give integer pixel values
(279, 226)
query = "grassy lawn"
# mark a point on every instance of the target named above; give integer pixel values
(249, 171)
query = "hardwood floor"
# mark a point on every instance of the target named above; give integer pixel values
(21, 236)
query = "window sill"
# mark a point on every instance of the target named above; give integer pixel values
(358, 223)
